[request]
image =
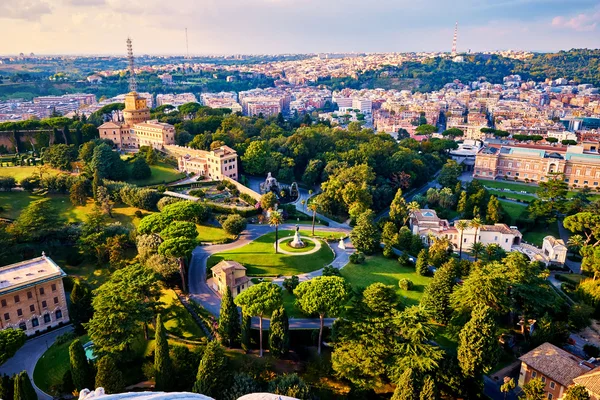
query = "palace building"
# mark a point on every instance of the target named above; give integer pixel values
(32, 296)
(216, 164)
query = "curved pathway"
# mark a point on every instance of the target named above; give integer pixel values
(201, 292)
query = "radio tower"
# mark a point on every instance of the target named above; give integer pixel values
(132, 82)
(187, 47)
(454, 40)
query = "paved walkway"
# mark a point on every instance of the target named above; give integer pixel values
(28, 355)
(204, 295)
(564, 235)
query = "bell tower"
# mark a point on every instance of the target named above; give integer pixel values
(136, 109)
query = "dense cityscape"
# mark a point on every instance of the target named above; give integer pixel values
(327, 225)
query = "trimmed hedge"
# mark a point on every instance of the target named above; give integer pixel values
(244, 212)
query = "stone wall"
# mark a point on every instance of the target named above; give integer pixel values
(243, 189)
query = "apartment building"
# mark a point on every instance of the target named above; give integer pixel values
(579, 164)
(215, 164)
(32, 296)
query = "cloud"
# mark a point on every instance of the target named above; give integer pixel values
(579, 23)
(85, 3)
(30, 10)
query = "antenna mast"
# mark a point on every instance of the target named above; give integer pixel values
(132, 82)
(454, 40)
(187, 47)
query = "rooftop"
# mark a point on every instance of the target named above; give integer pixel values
(556, 363)
(27, 273)
(226, 265)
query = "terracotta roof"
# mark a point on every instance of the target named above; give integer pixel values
(591, 381)
(555, 363)
(109, 124)
(502, 228)
(226, 265)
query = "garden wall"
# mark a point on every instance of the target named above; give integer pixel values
(243, 189)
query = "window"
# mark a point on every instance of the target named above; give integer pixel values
(17, 299)
(549, 396)
(22, 326)
(19, 312)
(3, 303)
(544, 379)
(533, 374)
(6, 316)
(32, 308)
(58, 314)
(29, 295)
(42, 290)
(44, 304)
(54, 287)
(35, 322)
(576, 181)
(585, 182)
(56, 300)
(46, 318)
(552, 385)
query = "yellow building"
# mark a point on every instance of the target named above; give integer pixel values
(136, 109)
(32, 296)
(232, 275)
(216, 164)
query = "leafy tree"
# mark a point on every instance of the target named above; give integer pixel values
(398, 209)
(268, 201)
(7, 387)
(462, 203)
(478, 343)
(7, 183)
(81, 371)
(37, 221)
(380, 298)
(190, 211)
(109, 376)
(163, 366)
(279, 340)
(256, 159)
(323, 295)
(108, 163)
(449, 174)
(405, 387)
(259, 300)
(291, 283)
(508, 385)
(213, 373)
(179, 248)
(60, 156)
(153, 223)
(453, 133)
(185, 366)
(276, 219)
(179, 229)
(80, 310)
(535, 389)
(140, 169)
(234, 224)
(422, 265)
(151, 156)
(577, 392)
(425, 129)
(476, 250)
(23, 388)
(11, 340)
(115, 248)
(229, 320)
(290, 385)
(78, 192)
(241, 384)
(436, 298)
(494, 211)
(104, 200)
(365, 235)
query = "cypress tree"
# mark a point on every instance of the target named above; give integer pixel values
(109, 376)
(95, 184)
(436, 298)
(279, 338)
(405, 389)
(162, 360)
(81, 309)
(422, 265)
(229, 321)
(7, 387)
(81, 371)
(478, 342)
(428, 391)
(462, 203)
(246, 331)
(23, 387)
(213, 375)
(494, 211)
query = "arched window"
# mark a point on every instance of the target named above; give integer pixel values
(58, 314)
(46, 318)
(22, 326)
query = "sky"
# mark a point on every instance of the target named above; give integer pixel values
(294, 26)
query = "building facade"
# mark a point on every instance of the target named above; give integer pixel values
(232, 275)
(32, 296)
(215, 164)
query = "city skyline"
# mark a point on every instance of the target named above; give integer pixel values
(291, 26)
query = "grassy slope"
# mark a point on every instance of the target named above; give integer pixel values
(177, 319)
(161, 173)
(23, 172)
(513, 210)
(260, 258)
(389, 272)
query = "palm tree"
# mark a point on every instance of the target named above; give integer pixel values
(461, 226)
(477, 249)
(412, 207)
(476, 223)
(314, 206)
(575, 243)
(275, 220)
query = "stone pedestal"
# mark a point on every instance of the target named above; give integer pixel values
(297, 243)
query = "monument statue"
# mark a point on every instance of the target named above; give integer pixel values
(297, 243)
(341, 244)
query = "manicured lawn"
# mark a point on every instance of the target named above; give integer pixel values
(289, 303)
(512, 210)
(509, 185)
(161, 173)
(23, 172)
(285, 245)
(209, 233)
(514, 196)
(389, 272)
(87, 271)
(51, 367)
(537, 236)
(177, 319)
(260, 259)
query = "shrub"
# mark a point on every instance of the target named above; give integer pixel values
(234, 224)
(404, 260)
(405, 284)
(591, 350)
(221, 187)
(248, 199)
(197, 192)
(139, 213)
(291, 283)
(330, 270)
(165, 201)
(357, 258)
(388, 251)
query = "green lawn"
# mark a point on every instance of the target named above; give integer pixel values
(161, 173)
(51, 367)
(509, 185)
(513, 196)
(289, 303)
(23, 172)
(260, 259)
(387, 271)
(177, 319)
(513, 210)
(209, 233)
(285, 245)
(537, 236)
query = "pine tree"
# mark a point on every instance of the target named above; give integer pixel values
(23, 387)
(109, 376)
(478, 342)
(422, 265)
(246, 334)
(81, 309)
(229, 321)
(163, 366)
(279, 341)
(494, 211)
(436, 298)
(365, 235)
(462, 202)
(95, 183)
(405, 389)
(399, 209)
(213, 374)
(428, 391)
(81, 371)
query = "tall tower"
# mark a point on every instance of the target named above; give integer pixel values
(187, 47)
(132, 82)
(454, 40)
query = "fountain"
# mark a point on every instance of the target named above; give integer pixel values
(297, 243)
